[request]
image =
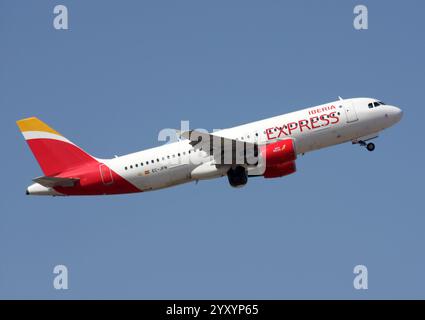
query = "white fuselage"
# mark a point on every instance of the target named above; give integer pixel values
(311, 128)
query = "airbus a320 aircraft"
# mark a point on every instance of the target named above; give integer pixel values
(265, 148)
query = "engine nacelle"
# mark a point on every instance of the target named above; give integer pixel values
(238, 176)
(279, 158)
(279, 152)
(280, 170)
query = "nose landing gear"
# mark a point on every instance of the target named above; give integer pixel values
(369, 146)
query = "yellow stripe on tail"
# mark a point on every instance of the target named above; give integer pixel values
(34, 124)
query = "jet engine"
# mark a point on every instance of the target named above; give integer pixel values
(238, 176)
(278, 158)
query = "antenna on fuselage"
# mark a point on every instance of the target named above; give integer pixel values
(339, 97)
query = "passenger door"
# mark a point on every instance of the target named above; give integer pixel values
(350, 112)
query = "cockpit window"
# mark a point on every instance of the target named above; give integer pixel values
(375, 104)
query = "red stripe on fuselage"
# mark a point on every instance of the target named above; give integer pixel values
(91, 182)
(62, 159)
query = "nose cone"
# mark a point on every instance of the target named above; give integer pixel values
(394, 113)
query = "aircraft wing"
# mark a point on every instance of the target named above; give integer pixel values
(50, 182)
(218, 146)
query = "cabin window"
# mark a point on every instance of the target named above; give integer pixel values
(131, 167)
(125, 168)
(141, 164)
(137, 165)
(370, 105)
(152, 161)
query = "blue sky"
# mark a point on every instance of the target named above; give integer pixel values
(127, 69)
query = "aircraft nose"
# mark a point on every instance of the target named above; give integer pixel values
(394, 113)
(398, 113)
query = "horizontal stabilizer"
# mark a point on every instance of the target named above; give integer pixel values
(50, 182)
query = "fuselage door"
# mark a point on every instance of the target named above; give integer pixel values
(350, 112)
(106, 174)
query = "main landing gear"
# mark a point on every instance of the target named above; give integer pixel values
(369, 146)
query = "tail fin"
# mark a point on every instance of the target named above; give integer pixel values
(54, 153)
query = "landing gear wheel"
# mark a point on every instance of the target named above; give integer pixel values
(370, 146)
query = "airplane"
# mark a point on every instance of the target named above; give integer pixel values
(267, 148)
